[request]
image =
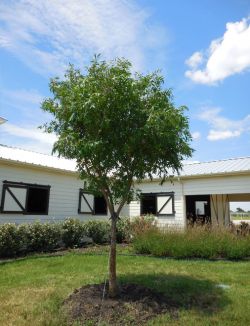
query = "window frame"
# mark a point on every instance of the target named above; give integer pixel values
(92, 210)
(27, 186)
(171, 194)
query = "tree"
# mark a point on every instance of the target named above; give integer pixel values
(240, 210)
(121, 127)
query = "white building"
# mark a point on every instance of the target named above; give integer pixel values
(35, 186)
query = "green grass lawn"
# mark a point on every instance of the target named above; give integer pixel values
(32, 289)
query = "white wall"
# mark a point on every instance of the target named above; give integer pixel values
(217, 185)
(178, 219)
(64, 193)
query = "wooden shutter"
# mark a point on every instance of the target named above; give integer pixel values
(86, 203)
(165, 204)
(14, 198)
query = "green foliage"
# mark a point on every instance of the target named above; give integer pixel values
(12, 241)
(42, 236)
(73, 233)
(98, 231)
(195, 243)
(87, 109)
(123, 230)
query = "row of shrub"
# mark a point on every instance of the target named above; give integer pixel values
(197, 242)
(16, 240)
(44, 237)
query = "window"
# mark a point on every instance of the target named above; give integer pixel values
(148, 204)
(160, 204)
(90, 204)
(25, 198)
(200, 207)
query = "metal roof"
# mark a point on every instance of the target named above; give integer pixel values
(37, 159)
(229, 166)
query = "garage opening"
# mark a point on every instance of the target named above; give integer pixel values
(239, 208)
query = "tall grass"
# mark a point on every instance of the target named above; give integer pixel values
(198, 242)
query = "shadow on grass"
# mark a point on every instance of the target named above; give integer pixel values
(183, 291)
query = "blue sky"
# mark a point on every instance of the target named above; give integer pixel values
(201, 47)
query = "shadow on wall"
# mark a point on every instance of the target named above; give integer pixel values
(183, 292)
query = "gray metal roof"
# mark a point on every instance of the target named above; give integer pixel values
(229, 166)
(37, 159)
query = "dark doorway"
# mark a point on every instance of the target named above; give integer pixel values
(198, 209)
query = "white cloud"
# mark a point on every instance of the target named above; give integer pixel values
(196, 135)
(226, 56)
(26, 137)
(47, 35)
(222, 127)
(27, 96)
(23, 105)
(220, 135)
(195, 60)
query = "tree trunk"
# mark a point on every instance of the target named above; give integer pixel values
(113, 287)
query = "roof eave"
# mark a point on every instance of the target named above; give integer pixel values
(37, 166)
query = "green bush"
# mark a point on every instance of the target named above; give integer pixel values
(194, 243)
(123, 230)
(73, 233)
(98, 231)
(12, 241)
(42, 236)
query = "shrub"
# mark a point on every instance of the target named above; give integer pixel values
(42, 236)
(12, 241)
(98, 231)
(240, 229)
(142, 224)
(123, 230)
(73, 233)
(197, 242)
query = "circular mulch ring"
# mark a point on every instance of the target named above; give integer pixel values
(135, 305)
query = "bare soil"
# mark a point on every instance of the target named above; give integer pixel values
(135, 305)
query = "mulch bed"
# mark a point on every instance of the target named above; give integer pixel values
(135, 305)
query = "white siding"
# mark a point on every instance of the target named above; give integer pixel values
(178, 219)
(64, 193)
(217, 185)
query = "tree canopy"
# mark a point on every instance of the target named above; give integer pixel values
(121, 127)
